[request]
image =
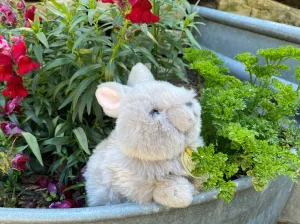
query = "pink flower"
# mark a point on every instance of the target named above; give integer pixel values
(4, 47)
(12, 105)
(19, 162)
(7, 12)
(15, 88)
(67, 203)
(141, 12)
(21, 5)
(10, 127)
(5, 60)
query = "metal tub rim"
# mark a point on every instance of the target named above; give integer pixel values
(255, 25)
(109, 212)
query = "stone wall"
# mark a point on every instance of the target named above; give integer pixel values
(263, 9)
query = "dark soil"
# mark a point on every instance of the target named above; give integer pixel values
(206, 3)
(193, 82)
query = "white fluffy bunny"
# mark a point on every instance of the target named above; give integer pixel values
(141, 159)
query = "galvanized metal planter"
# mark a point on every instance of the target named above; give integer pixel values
(226, 34)
(248, 206)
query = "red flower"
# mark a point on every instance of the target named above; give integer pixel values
(68, 193)
(8, 14)
(67, 203)
(26, 65)
(132, 2)
(141, 12)
(19, 48)
(43, 182)
(29, 15)
(15, 87)
(5, 67)
(12, 105)
(19, 162)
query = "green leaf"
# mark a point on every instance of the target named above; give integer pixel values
(191, 38)
(59, 87)
(84, 70)
(81, 88)
(91, 14)
(41, 36)
(80, 39)
(62, 7)
(33, 145)
(19, 149)
(67, 101)
(57, 62)
(38, 51)
(77, 21)
(56, 12)
(58, 141)
(110, 71)
(82, 139)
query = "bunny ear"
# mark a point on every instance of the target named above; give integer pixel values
(109, 96)
(139, 73)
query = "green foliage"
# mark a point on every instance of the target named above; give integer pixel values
(79, 46)
(216, 165)
(248, 126)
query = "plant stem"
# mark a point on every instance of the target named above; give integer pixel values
(251, 78)
(155, 34)
(121, 36)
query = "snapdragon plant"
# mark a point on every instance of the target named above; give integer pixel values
(74, 46)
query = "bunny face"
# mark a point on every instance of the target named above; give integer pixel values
(155, 120)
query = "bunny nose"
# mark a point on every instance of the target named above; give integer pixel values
(182, 118)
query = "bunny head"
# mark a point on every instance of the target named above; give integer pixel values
(155, 120)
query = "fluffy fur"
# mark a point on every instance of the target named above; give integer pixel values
(140, 160)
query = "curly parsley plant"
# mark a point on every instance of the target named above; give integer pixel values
(249, 127)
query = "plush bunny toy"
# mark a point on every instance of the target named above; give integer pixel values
(141, 159)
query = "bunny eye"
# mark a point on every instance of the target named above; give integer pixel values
(189, 104)
(154, 112)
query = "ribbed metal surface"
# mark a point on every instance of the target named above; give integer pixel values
(248, 206)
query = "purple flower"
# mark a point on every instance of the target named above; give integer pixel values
(7, 12)
(67, 203)
(19, 162)
(80, 176)
(12, 105)
(10, 127)
(52, 187)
